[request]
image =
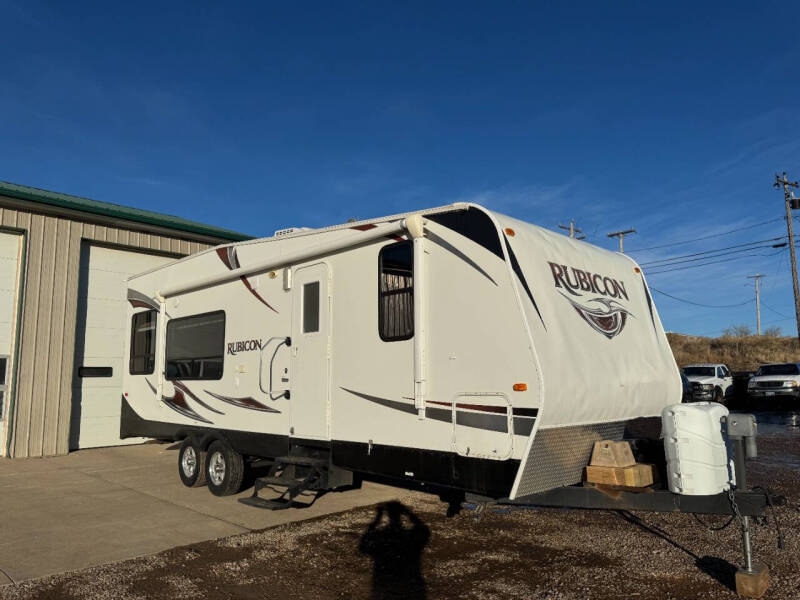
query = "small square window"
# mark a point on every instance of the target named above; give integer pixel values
(311, 307)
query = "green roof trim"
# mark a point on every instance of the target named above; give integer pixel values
(117, 211)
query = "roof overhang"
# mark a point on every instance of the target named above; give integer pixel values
(84, 209)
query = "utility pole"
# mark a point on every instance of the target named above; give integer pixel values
(573, 230)
(621, 235)
(788, 198)
(757, 276)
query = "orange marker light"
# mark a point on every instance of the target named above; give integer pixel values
(637, 270)
(510, 231)
(520, 387)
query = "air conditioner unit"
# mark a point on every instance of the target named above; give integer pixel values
(290, 230)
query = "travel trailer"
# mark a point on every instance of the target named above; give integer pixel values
(455, 347)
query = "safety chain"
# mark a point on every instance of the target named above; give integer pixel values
(732, 499)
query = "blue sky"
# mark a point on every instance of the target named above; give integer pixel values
(671, 119)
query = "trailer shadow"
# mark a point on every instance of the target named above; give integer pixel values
(718, 568)
(395, 540)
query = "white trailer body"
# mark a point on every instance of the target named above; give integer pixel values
(453, 346)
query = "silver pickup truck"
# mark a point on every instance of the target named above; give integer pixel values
(775, 380)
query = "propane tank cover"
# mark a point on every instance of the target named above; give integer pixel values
(698, 459)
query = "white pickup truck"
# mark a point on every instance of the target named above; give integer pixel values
(710, 381)
(781, 379)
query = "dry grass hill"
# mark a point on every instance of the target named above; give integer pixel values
(739, 353)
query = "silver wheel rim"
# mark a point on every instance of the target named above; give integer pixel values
(189, 462)
(216, 468)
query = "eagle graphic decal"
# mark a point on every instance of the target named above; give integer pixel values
(607, 316)
(603, 314)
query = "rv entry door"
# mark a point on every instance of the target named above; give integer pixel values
(310, 353)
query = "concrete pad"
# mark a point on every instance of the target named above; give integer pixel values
(103, 505)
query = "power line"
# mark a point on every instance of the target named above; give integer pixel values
(707, 237)
(717, 255)
(697, 303)
(671, 258)
(710, 262)
(775, 311)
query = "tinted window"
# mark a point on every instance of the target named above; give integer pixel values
(396, 292)
(143, 343)
(311, 307)
(699, 371)
(787, 369)
(473, 224)
(196, 347)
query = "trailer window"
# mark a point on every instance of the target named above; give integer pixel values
(143, 343)
(396, 292)
(311, 307)
(196, 346)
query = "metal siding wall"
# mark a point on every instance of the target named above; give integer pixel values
(47, 337)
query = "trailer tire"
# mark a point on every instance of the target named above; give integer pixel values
(192, 463)
(224, 469)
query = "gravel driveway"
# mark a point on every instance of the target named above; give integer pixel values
(414, 550)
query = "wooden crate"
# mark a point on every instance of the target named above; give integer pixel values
(608, 453)
(636, 476)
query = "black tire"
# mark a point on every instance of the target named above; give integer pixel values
(224, 469)
(191, 464)
(718, 395)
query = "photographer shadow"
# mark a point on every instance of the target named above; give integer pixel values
(395, 540)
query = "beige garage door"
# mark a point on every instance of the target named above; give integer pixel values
(10, 247)
(100, 339)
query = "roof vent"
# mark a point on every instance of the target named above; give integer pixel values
(290, 230)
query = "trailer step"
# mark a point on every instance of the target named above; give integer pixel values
(305, 461)
(267, 480)
(284, 473)
(257, 502)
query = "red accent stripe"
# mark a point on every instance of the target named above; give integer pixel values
(480, 407)
(255, 293)
(141, 304)
(366, 227)
(223, 256)
(483, 408)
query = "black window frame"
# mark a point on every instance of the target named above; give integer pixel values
(304, 314)
(382, 294)
(222, 352)
(155, 341)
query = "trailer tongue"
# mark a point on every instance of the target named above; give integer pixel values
(735, 433)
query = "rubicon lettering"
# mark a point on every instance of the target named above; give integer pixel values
(587, 282)
(243, 346)
(602, 314)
